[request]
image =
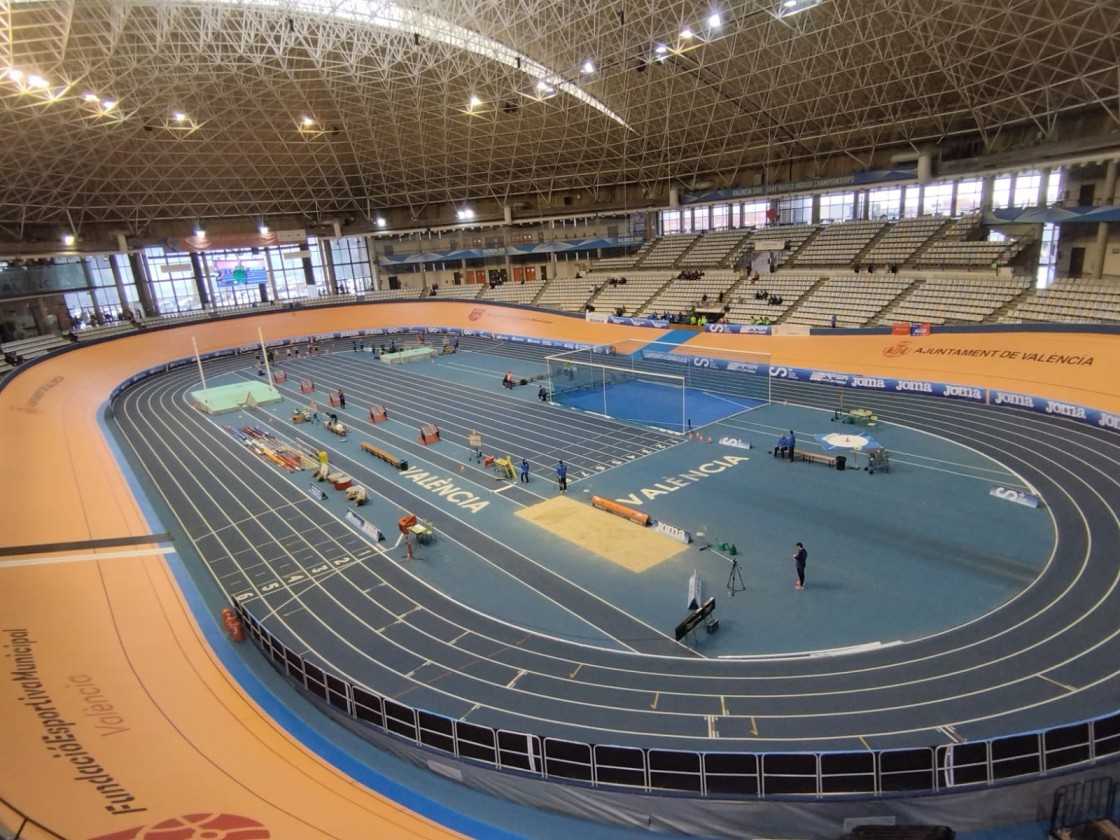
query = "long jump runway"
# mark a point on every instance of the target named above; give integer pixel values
(1048, 656)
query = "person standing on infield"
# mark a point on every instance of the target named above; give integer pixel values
(799, 563)
(525, 470)
(562, 477)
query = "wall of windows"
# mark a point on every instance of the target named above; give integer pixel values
(837, 207)
(969, 194)
(350, 258)
(884, 203)
(937, 199)
(797, 210)
(102, 298)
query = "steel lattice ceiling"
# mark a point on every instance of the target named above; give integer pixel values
(389, 103)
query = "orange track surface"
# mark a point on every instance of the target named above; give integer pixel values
(109, 653)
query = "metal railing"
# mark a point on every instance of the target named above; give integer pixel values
(802, 775)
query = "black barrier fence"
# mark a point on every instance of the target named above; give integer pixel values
(899, 772)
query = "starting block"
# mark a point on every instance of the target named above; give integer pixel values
(306, 386)
(377, 413)
(429, 433)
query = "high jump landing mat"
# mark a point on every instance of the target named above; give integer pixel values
(629, 545)
(224, 398)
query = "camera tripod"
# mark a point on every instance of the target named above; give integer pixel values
(735, 579)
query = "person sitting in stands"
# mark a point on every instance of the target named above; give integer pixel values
(782, 446)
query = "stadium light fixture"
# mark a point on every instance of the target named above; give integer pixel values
(464, 214)
(381, 222)
(789, 8)
(587, 67)
(69, 239)
(714, 21)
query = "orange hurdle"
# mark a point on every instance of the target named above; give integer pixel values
(378, 413)
(635, 516)
(279, 376)
(306, 386)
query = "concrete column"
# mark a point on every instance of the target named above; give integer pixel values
(1102, 227)
(118, 281)
(328, 263)
(271, 272)
(142, 281)
(987, 187)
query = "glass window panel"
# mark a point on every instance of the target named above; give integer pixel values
(885, 203)
(938, 199)
(754, 214)
(1027, 186)
(969, 193)
(1001, 192)
(837, 207)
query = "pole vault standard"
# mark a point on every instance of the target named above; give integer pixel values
(264, 355)
(198, 359)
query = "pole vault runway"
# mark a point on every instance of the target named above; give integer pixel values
(107, 632)
(1047, 657)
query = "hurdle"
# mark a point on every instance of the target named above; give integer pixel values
(610, 506)
(378, 413)
(334, 399)
(429, 434)
(306, 386)
(279, 376)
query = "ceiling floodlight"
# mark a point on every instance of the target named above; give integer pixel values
(587, 67)
(200, 231)
(475, 102)
(307, 121)
(90, 97)
(15, 75)
(108, 104)
(69, 239)
(179, 116)
(262, 229)
(686, 34)
(660, 49)
(36, 82)
(715, 21)
(464, 214)
(788, 8)
(381, 222)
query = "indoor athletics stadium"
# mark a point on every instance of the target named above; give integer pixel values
(513, 419)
